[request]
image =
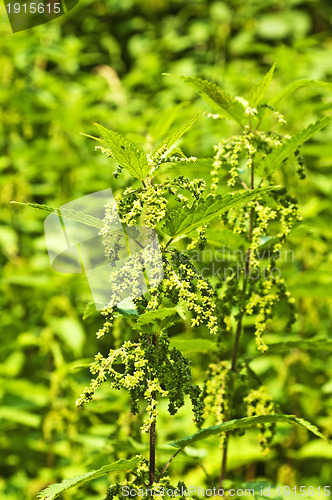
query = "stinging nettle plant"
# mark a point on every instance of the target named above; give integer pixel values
(245, 201)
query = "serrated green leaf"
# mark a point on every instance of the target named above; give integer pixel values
(55, 490)
(298, 84)
(257, 93)
(75, 215)
(171, 139)
(227, 105)
(155, 321)
(126, 154)
(184, 220)
(244, 423)
(281, 153)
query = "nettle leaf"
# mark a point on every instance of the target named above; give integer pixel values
(281, 153)
(184, 220)
(121, 465)
(75, 215)
(126, 154)
(155, 321)
(227, 105)
(171, 139)
(257, 93)
(243, 423)
(298, 84)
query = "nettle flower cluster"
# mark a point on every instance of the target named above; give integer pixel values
(146, 366)
(150, 370)
(140, 233)
(258, 212)
(265, 222)
(228, 395)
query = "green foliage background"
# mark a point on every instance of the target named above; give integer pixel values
(103, 62)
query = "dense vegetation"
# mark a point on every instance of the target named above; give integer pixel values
(104, 63)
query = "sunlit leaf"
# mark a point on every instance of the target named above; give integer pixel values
(55, 490)
(126, 154)
(243, 423)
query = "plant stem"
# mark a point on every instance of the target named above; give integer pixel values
(168, 463)
(152, 465)
(152, 461)
(223, 462)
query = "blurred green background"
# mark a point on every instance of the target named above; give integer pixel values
(103, 62)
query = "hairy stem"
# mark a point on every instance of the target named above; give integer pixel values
(152, 460)
(152, 465)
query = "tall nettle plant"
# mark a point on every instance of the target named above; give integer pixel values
(245, 199)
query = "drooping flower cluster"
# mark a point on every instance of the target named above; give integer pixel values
(263, 220)
(228, 394)
(150, 370)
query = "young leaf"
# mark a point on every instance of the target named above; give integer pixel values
(243, 423)
(126, 154)
(53, 491)
(258, 91)
(171, 139)
(227, 105)
(155, 321)
(75, 215)
(271, 161)
(298, 84)
(184, 220)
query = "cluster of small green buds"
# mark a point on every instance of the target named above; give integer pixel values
(216, 392)
(183, 283)
(259, 402)
(200, 241)
(150, 201)
(138, 486)
(150, 370)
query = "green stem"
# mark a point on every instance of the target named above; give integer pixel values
(152, 464)
(152, 460)
(168, 243)
(168, 463)
(223, 463)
